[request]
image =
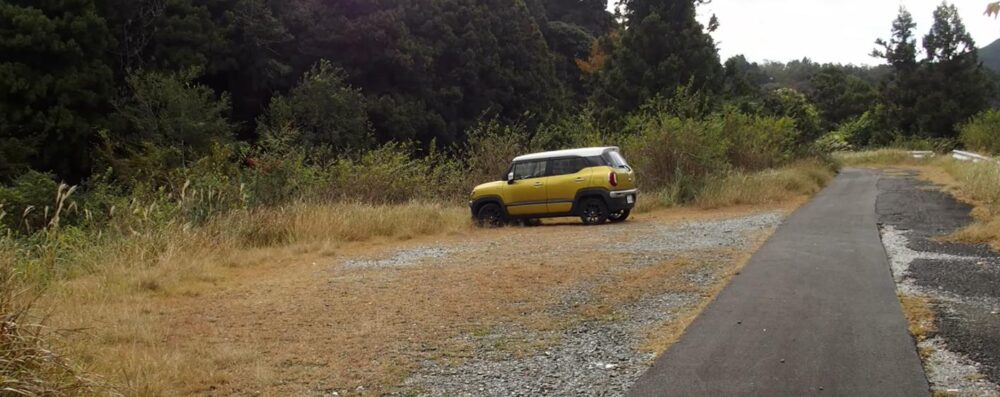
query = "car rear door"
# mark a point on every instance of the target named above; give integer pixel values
(527, 192)
(567, 176)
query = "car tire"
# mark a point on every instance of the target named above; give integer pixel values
(619, 216)
(490, 215)
(593, 211)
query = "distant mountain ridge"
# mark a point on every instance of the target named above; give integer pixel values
(990, 55)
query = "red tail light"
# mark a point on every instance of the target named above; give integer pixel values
(613, 179)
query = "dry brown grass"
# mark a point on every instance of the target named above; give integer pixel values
(120, 305)
(629, 286)
(978, 184)
(919, 315)
(799, 179)
(878, 158)
(29, 365)
(772, 186)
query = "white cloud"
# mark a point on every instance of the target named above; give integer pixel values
(841, 31)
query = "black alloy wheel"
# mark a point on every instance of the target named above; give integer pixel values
(490, 215)
(594, 212)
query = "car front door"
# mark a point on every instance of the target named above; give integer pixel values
(527, 192)
(567, 176)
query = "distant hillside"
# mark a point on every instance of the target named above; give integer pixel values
(990, 55)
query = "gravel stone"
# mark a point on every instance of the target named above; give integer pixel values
(594, 358)
(401, 258)
(962, 280)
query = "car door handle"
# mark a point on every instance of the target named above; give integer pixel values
(539, 184)
(579, 180)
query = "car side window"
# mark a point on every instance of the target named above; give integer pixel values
(567, 166)
(529, 169)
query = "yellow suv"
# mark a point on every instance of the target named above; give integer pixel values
(595, 184)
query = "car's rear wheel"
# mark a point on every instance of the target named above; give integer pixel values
(619, 216)
(490, 215)
(593, 211)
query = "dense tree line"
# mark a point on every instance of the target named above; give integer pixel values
(89, 83)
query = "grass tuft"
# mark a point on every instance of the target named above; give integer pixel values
(919, 315)
(978, 183)
(802, 178)
(877, 158)
(29, 366)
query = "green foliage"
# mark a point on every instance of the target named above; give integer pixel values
(54, 84)
(743, 79)
(163, 35)
(27, 203)
(982, 132)
(324, 110)
(900, 51)
(786, 102)
(675, 154)
(850, 135)
(165, 123)
(756, 142)
(170, 110)
(647, 65)
(929, 98)
(839, 96)
(580, 130)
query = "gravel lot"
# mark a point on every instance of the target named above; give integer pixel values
(597, 358)
(962, 280)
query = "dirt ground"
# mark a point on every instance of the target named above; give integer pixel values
(449, 315)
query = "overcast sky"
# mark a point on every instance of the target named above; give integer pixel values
(841, 31)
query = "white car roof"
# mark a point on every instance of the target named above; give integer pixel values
(586, 152)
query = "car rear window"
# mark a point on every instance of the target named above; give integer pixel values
(615, 159)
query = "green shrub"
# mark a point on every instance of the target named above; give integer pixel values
(324, 109)
(756, 142)
(489, 149)
(787, 102)
(280, 169)
(675, 154)
(937, 145)
(28, 204)
(982, 133)
(569, 132)
(165, 123)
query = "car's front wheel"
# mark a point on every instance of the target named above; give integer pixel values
(490, 215)
(593, 211)
(619, 216)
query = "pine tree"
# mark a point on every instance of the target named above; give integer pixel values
(839, 96)
(663, 47)
(954, 85)
(54, 84)
(899, 93)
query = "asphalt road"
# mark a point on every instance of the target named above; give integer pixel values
(814, 312)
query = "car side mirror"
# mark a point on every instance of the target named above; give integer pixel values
(510, 178)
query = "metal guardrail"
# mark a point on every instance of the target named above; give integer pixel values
(921, 154)
(969, 156)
